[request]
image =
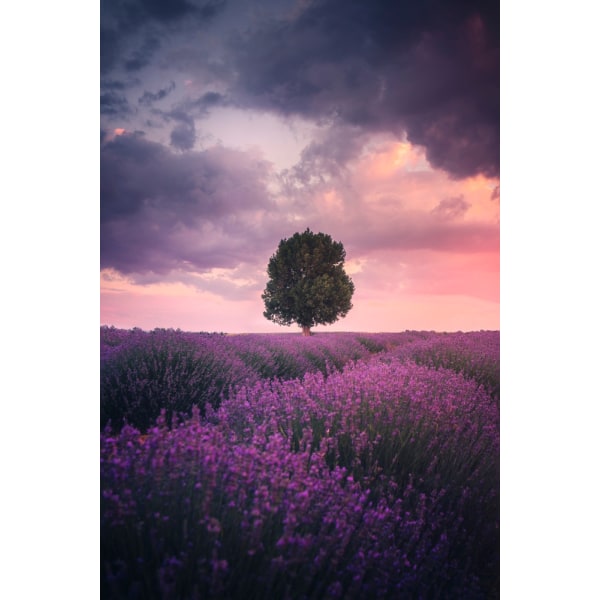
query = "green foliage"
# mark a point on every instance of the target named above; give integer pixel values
(307, 282)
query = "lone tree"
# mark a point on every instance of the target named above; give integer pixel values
(307, 283)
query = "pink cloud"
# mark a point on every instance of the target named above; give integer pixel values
(422, 249)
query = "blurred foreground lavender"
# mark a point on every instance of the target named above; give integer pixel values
(337, 466)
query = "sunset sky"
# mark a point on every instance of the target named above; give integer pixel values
(228, 125)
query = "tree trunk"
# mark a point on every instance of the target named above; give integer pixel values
(305, 330)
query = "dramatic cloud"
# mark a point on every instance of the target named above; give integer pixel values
(209, 100)
(183, 136)
(150, 98)
(427, 71)
(430, 70)
(390, 198)
(227, 125)
(130, 29)
(112, 103)
(325, 157)
(142, 56)
(161, 211)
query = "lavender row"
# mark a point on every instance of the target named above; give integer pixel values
(166, 370)
(145, 372)
(475, 354)
(379, 481)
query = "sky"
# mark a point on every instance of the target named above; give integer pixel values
(229, 125)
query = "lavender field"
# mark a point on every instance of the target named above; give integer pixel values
(273, 466)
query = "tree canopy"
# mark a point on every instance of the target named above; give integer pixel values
(307, 282)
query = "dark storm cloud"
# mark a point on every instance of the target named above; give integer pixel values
(162, 211)
(178, 114)
(123, 21)
(109, 48)
(111, 84)
(425, 70)
(183, 137)
(143, 54)
(120, 85)
(148, 98)
(167, 9)
(131, 15)
(185, 111)
(114, 104)
(430, 69)
(207, 101)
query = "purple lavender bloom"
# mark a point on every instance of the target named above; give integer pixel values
(373, 472)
